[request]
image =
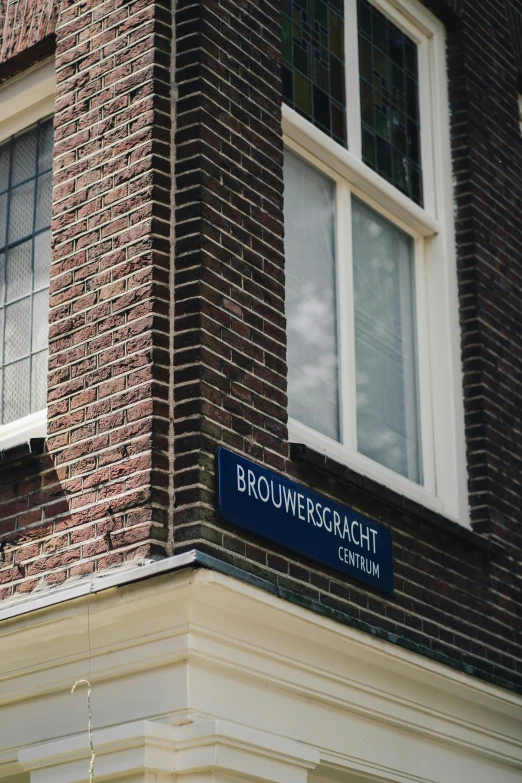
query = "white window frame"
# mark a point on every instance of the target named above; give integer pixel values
(432, 229)
(24, 100)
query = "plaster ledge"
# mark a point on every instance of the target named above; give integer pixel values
(205, 745)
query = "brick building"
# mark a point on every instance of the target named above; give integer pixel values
(260, 390)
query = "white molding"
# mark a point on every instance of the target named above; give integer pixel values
(22, 430)
(36, 601)
(300, 433)
(197, 645)
(302, 133)
(213, 746)
(27, 98)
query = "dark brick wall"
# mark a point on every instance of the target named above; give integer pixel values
(230, 370)
(109, 454)
(451, 597)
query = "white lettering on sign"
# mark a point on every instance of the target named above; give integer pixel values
(355, 559)
(353, 532)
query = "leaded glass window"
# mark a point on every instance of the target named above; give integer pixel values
(25, 256)
(389, 101)
(313, 62)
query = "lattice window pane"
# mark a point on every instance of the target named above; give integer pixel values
(21, 211)
(43, 201)
(389, 101)
(39, 381)
(42, 260)
(19, 273)
(45, 146)
(24, 156)
(5, 152)
(17, 390)
(40, 320)
(25, 259)
(3, 219)
(313, 62)
(17, 340)
(2, 290)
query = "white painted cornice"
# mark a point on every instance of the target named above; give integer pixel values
(212, 745)
(198, 645)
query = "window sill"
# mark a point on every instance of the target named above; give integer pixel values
(22, 431)
(301, 453)
(32, 447)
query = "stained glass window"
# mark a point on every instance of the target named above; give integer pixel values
(313, 62)
(25, 257)
(389, 101)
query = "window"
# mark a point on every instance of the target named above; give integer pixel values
(26, 149)
(373, 334)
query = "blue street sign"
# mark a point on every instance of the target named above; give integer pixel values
(283, 511)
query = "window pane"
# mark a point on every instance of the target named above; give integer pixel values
(16, 390)
(313, 393)
(17, 330)
(390, 101)
(24, 156)
(21, 210)
(4, 166)
(3, 219)
(2, 287)
(45, 145)
(43, 202)
(313, 62)
(388, 428)
(19, 274)
(42, 260)
(40, 320)
(39, 381)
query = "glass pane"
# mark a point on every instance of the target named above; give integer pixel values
(21, 211)
(4, 166)
(2, 313)
(3, 219)
(312, 45)
(24, 157)
(42, 260)
(389, 82)
(17, 390)
(43, 201)
(19, 272)
(45, 145)
(40, 320)
(388, 429)
(17, 330)
(313, 393)
(2, 283)
(39, 381)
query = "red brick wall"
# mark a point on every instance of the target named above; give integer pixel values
(107, 454)
(26, 30)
